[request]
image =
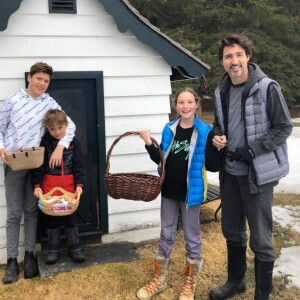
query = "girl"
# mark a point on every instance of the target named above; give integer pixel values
(188, 151)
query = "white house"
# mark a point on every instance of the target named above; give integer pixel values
(113, 73)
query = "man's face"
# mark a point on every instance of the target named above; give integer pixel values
(38, 84)
(235, 62)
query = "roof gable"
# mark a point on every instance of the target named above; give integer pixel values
(184, 64)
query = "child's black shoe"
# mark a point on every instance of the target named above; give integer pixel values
(30, 266)
(12, 271)
(52, 257)
(77, 256)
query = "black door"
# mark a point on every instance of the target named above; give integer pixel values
(76, 99)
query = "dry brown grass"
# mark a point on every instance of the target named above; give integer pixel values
(121, 280)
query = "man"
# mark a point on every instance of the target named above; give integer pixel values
(251, 126)
(21, 127)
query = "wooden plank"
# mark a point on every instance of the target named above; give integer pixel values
(110, 66)
(63, 25)
(62, 46)
(115, 126)
(132, 163)
(130, 144)
(137, 86)
(10, 86)
(141, 105)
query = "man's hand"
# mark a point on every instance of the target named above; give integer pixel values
(56, 157)
(244, 154)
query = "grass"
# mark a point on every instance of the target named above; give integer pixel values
(122, 280)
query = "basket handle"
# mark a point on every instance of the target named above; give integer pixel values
(163, 171)
(57, 188)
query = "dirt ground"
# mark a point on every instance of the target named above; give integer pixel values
(122, 280)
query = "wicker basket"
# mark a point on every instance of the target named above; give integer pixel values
(29, 158)
(133, 186)
(63, 205)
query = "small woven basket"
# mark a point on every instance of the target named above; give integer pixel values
(133, 186)
(29, 158)
(63, 205)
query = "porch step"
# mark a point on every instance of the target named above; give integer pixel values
(95, 254)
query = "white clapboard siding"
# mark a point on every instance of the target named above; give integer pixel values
(13, 67)
(130, 144)
(122, 106)
(10, 86)
(53, 46)
(136, 81)
(132, 220)
(132, 163)
(86, 25)
(116, 126)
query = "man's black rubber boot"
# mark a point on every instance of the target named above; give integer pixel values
(263, 279)
(30, 266)
(236, 267)
(12, 271)
(229, 289)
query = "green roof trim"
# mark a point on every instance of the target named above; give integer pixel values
(184, 64)
(7, 8)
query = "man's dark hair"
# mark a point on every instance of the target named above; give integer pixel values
(41, 67)
(237, 39)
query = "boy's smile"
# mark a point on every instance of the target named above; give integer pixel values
(38, 84)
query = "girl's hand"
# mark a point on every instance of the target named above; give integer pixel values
(220, 141)
(56, 157)
(37, 191)
(145, 135)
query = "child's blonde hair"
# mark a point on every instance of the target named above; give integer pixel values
(54, 117)
(190, 90)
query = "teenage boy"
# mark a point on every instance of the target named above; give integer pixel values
(21, 127)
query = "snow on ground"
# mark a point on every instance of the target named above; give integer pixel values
(288, 262)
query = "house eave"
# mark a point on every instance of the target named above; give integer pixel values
(183, 63)
(128, 18)
(7, 8)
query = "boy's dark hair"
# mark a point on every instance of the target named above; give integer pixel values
(41, 67)
(237, 39)
(54, 117)
(190, 90)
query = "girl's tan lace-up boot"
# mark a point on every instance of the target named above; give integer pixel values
(190, 270)
(159, 282)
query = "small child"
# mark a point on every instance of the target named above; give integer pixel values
(69, 176)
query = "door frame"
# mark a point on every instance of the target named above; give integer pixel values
(98, 77)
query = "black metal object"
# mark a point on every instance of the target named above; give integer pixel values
(62, 7)
(213, 194)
